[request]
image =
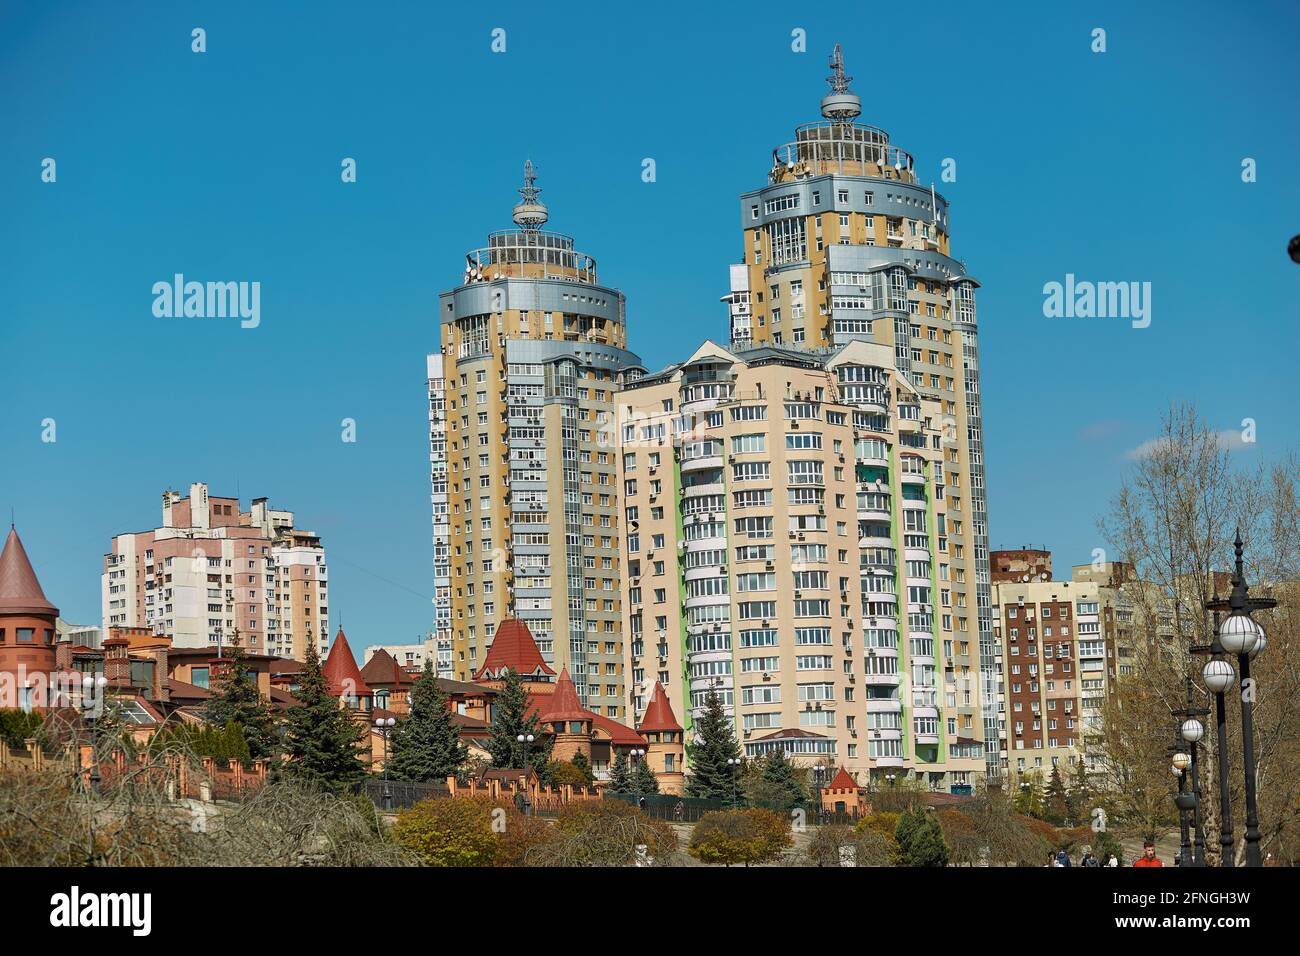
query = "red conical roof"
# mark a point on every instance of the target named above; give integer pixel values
(512, 647)
(20, 592)
(843, 781)
(564, 703)
(341, 671)
(659, 714)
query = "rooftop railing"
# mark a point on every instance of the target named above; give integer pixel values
(851, 149)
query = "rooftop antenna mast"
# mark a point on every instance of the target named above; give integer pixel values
(531, 213)
(841, 104)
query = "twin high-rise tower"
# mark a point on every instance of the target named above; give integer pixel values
(523, 457)
(796, 521)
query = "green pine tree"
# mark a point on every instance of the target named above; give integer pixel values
(322, 741)
(711, 776)
(643, 778)
(510, 718)
(426, 745)
(1057, 803)
(920, 839)
(620, 775)
(779, 783)
(236, 700)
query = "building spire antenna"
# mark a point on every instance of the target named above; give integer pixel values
(530, 214)
(841, 104)
(838, 80)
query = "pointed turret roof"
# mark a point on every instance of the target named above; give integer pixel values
(659, 714)
(564, 703)
(513, 647)
(843, 781)
(341, 671)
(20, 591)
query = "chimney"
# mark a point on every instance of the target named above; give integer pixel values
(117, 662)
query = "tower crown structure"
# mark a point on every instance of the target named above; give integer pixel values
(838, 145)
(529, 251)
(840, 103)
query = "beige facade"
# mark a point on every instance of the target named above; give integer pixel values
(844, 244)
(212, 570)
(788, 546)
(524, 476)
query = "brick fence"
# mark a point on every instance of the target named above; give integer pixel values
(212, 779)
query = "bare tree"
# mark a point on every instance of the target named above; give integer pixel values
(1173, 520)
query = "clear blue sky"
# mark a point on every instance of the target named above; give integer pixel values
(225, 166)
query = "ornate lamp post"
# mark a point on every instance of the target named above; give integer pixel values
(1240, 635)
(1219, 677)
(734, 764)
(1186, 802)
(1192, 730)
(525, 741)
(632, 756)
(385, 726)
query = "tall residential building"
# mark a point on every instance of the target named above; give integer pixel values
(843, 244)
(522, 451)
(790, 545)
(211, 570)
(1064, 643)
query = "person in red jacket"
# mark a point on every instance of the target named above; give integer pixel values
(1148, 857)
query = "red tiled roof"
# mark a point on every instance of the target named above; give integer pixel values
(564, 703)
(179, 690)
(659, 714)
(382, 668)
(513, 647)
(20, 591)
(843, 781)
(341, 671)
(466, 722)
(282, 698)
(618, 733)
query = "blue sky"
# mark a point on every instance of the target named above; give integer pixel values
(1120, 166)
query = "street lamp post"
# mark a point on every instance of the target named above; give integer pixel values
(525, 741)
(1184, 801)
(1192, 730)
(1219, 676)
(1240, 635)
(636, 783)
(385, 726)
(734, 764)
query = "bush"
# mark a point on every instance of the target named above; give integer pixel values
(885, 824)
(839, 845)
(740, 836)
(520, 837)
(450, 831)
(604, 833)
